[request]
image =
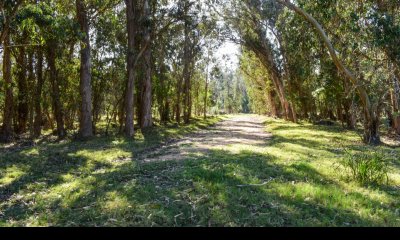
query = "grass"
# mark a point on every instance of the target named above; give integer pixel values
(97, 183)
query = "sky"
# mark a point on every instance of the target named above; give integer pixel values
(229, 53)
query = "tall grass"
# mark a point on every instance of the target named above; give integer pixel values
(367, 167)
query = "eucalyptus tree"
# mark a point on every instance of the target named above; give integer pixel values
(7, 131)
(263, 28)
(386, 32)
(86, 114)
(9, 10)
(259, 87)
(254, 22)
(372, 105)
(131, 15)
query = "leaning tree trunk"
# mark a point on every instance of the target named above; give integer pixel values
(371, 116)
(86, 126)
(7, 131)
(264, 53)
(291, 108)
(146, 101)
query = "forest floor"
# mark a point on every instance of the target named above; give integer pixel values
(242, 170)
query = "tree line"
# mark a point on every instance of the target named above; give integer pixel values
(94, 65)
(79, 65)
(317, 60)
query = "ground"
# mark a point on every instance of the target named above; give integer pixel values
(245, 170)
(230, 134)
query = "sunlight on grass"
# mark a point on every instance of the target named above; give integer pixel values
(10, 174)
(290, 180)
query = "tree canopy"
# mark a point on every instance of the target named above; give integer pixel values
(91, 67)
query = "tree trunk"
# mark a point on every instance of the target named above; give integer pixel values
(205, 95)
(162, 93)
(271, 103)
(7, 131)
(129, 92)
(186, 73)
(85, 126)
(4, 34)
(264, 52)
(178, 101)
(146, 101)
(293, 113)
(397, 124)
(23, 107)
(394, 95)
(31, 87)
(394, 101)
(57, 105)
(371, 130)
(37, 125)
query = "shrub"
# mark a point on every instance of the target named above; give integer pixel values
(369, 167)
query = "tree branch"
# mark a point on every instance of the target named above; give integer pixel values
(349, 75)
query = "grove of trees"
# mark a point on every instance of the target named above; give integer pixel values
(89, 66)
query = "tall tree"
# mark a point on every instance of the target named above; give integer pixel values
(55, 87)
(146, 98)
(37, 128)
(186, 63)
(131, 11)
(371, 111)
(22, 103)
(7, 134)
(85, 129)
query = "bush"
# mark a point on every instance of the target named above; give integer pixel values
(369, 167)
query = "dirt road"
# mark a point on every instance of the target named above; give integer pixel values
(236, 132)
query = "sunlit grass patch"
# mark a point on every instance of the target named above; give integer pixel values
(288, 181)
(73, 183)
(10, 174)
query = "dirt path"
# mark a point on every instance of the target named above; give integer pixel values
(234, 133)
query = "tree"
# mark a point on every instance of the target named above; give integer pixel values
(371, 112)
(86, 114)
(7, 131)
(131, 28)
(146, 101)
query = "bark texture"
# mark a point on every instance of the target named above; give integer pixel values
(146, 99)
(22, 103)
(37, 124)
(129, 92)
(7, 131)
(86, 126)
(55, 87)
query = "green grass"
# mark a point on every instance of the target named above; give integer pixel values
(97, 184)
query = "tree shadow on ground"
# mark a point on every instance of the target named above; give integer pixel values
(214, 190)
(202, 192)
